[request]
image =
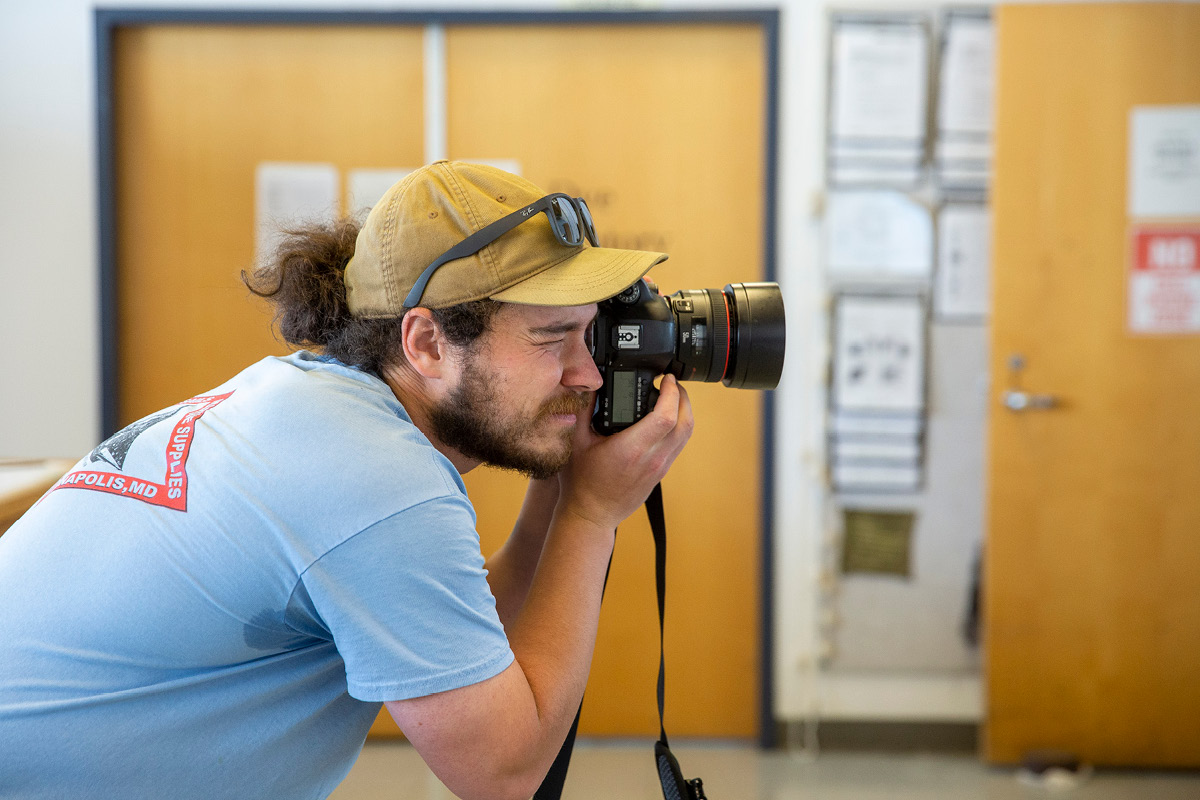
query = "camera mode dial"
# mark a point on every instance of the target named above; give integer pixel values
(630, 295)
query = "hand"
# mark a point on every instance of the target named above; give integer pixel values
(608, 477)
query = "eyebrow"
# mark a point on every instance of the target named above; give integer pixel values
(562, 327)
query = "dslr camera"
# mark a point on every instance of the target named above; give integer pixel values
(734, 335)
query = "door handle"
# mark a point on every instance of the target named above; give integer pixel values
(1026, 401)
(1017, 400)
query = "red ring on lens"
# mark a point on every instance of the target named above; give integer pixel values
(728, 334)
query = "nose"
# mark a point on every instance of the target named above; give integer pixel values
(579, 370)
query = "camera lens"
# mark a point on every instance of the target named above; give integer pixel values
(735, 336)
(757, 336)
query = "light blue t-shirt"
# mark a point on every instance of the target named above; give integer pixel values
(214, 602)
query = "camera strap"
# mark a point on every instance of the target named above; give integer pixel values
(674, 786)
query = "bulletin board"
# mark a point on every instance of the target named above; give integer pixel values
(905, 246)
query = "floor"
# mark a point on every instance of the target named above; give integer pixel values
(625, 771)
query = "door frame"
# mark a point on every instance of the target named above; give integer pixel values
(109, 20)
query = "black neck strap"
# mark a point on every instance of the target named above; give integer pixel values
(658, 527)
(552, 785)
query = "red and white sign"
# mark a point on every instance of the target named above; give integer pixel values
(1164, 280)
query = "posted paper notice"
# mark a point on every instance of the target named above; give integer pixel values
(1164, 280)
(1164, 161)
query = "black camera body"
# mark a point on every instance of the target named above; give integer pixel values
(735, 336)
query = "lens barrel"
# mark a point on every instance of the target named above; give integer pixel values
(758, 336)
(735, 336)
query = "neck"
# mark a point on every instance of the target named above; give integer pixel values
(417, 396)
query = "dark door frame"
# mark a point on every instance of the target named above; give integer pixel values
(109, 20)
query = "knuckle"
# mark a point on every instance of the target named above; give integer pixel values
(661, 425)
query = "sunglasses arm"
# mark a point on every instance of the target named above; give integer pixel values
(468, 246)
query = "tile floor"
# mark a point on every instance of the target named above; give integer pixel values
(625, 771)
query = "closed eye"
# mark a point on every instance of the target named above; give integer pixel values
(558, 333)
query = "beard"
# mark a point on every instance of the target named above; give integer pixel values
(477, 423)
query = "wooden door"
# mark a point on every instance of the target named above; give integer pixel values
(1093, 559)
(197, 108)
(660, 127)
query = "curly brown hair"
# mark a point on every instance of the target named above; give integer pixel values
(305, 280)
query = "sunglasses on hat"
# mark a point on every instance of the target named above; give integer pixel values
(570, 220)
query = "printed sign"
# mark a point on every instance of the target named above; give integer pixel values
(1164, 161)
(879, 542)
(1164, 280)
(879, 359)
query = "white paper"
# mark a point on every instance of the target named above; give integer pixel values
(965, 180)
(967, 76)
(879, 81)
(852, 477)
(289, 194)
(972, 180)
(892, 157)
(877, 234)
(964, 164)
(879, 361)
(1160, 304)
(876, 451)
(907, 450)
(367, 186)
(902, 426)
(1164, 161)
(854, 176)
(978, 150)
(850, 163)
(962, 285)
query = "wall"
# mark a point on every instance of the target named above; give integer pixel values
(49, 392)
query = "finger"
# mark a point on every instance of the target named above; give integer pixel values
(583, 435)
(684, 416)
(681, 432)
(673, 425)
(667, 405)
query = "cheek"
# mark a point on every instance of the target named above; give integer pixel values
(528, 377)
(538, 370)
(553, 364)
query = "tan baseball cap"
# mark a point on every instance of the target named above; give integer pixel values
(439, 205)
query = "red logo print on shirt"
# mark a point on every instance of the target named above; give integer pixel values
(171, 491)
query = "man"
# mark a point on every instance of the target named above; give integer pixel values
(216, 600)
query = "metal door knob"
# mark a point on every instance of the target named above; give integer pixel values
(1024, 401)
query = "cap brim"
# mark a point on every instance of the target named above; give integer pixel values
(595, 274)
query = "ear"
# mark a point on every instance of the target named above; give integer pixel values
(425, 348)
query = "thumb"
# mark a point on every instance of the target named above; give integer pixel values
(582, 436)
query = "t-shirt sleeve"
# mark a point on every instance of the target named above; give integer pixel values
(408, 604)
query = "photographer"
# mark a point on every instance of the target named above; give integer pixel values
(216, 600)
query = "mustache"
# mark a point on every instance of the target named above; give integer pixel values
(574, 403)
